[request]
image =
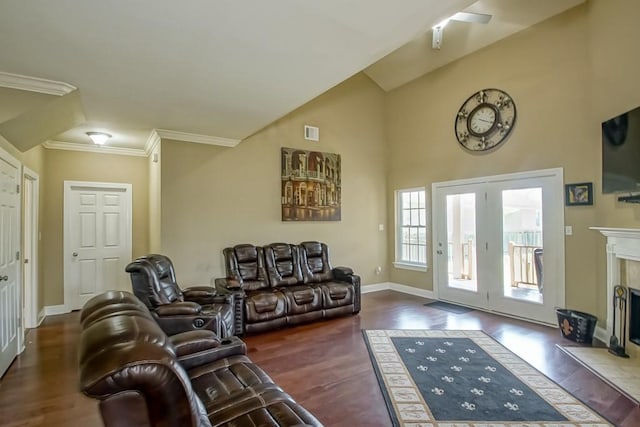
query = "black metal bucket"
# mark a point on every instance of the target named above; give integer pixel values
(576, 325)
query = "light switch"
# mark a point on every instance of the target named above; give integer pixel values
(568, 230)
(380, 227)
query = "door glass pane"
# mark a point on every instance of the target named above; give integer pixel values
(461, 241)
(522, 244)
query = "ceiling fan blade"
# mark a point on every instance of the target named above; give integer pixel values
(476, 18)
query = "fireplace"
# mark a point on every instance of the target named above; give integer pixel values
(623, 268)
(634, 316)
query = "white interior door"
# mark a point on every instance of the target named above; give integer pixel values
(10, 311)
(499, 243)
(97, 239)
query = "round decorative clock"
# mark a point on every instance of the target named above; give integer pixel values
(485, 120)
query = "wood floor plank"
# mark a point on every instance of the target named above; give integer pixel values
(324, 366)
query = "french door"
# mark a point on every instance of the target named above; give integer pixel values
(498, 243)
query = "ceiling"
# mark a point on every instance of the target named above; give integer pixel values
(215, 71)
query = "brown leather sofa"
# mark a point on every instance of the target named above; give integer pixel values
(283, 284)
(142, 377)
(153, 280)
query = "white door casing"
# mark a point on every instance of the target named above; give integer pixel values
(10, 279)
(97, 239)
(30, 194)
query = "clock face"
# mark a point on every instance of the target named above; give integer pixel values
(482, 119)
(485, 120)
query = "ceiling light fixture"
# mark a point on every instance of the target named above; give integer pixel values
(98, 138)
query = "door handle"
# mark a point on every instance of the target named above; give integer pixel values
(75, 254)
(5, 277)
(439, 252)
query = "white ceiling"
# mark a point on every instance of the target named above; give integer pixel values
(220, 70)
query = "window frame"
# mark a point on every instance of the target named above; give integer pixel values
(399, 226)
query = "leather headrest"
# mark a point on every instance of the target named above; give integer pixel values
(281, 250)
(246, 253)
(161, 264)
(312, 248)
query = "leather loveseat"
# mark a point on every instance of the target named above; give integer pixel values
(153, 280)
(142, 377)
(282, 284)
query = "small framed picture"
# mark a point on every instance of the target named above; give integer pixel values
(578, 194)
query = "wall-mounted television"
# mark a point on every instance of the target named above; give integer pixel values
(621, 153)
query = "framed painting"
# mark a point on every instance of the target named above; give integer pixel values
(578, 194)
(311, 185)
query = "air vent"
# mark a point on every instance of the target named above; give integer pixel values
(311, 133)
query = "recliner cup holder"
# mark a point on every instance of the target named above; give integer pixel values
(226, 341)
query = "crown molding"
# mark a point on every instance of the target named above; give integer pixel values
(152, 142)
(197, 138)
(102, 149)
(35, 84)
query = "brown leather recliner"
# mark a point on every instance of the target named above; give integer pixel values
(142, 377)
(303, 301)
(259, 307)
(340, 287)
(153, 281)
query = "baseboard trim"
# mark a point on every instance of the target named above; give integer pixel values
(601, 334)
(384, 286)
(52, 310)
(375, 287)
(41, 316)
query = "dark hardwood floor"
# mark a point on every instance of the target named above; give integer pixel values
(324, 366)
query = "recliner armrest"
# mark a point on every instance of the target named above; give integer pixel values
(195, 348)
(199, 294)
(224, 284)
(342, 273)
(179, 308)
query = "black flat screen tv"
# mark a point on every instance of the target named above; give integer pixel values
(621, 153)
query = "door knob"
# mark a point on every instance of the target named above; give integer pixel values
(75, 254)
(5, 277)
(439, 252)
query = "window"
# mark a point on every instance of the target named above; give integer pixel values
(411, 229)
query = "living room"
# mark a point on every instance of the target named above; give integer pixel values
(567, 75)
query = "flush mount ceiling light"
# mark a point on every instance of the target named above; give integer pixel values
(98, 138)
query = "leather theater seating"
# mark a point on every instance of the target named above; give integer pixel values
(143, 377)
(153, 280)
(283, 284)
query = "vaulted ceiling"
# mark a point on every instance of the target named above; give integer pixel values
(215, 71)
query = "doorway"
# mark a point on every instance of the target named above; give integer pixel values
(97, 239)
(499, 243)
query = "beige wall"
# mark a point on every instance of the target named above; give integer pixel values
(555, 72)
(81, 166)
(214, 197)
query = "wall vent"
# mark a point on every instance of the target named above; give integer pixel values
(311, 133)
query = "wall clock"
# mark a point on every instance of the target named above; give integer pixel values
(485, 120)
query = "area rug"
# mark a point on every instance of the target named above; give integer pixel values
(451, 308)
(439, 378)
(621, 374)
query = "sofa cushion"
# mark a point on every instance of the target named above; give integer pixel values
(315, 262)
(264, 305)
(283, 264)
(336, 294)
(302, 298)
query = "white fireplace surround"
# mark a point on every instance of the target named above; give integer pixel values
(622, 244)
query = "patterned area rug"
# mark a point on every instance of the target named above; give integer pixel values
(438, 378)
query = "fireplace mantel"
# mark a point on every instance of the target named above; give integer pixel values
(622, 244)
